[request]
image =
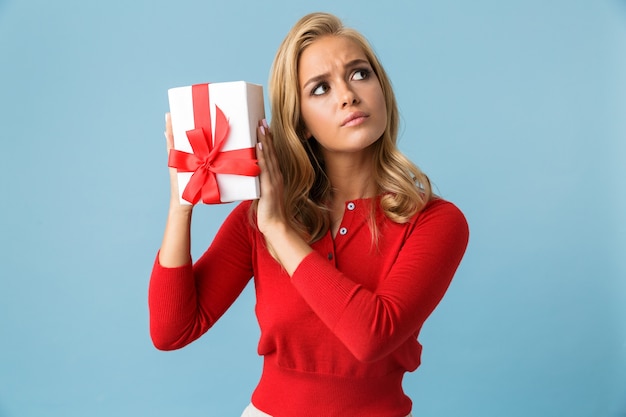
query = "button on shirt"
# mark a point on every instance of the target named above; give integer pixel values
(344, 230)
(354, 219)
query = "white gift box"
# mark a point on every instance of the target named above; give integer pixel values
(242, 104)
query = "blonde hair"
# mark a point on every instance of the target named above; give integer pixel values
(404, 189)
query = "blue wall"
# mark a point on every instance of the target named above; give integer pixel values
(515, 109)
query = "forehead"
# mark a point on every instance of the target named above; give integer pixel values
(328, 52)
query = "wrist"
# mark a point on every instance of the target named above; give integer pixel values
(275, 230)
(178, 209)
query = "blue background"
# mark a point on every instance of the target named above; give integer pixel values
(516, 110)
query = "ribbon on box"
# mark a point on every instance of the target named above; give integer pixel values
(207, 158)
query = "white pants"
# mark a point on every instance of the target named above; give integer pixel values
(252, 411)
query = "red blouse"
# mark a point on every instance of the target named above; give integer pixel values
(336, 337)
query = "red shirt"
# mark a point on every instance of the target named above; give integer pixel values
(338, 336)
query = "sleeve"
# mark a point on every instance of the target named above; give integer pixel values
(185, 302)
(372, 324)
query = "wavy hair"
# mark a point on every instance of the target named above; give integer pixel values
(403, 188)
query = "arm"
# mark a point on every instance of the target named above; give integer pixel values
(175, 248)
(372, 324)
(185, 300)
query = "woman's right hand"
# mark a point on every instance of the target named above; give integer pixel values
(174, 193)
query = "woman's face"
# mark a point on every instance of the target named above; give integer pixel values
(341, 100)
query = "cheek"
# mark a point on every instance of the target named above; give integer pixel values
(377, 100)
(312, 118)
(382, 106)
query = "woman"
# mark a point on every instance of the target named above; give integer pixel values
(349, 249)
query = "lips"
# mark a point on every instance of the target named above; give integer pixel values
(354, 118)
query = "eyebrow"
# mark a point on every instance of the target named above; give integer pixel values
(350, 64)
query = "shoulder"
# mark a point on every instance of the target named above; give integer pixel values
(440, 208)
(443, 218)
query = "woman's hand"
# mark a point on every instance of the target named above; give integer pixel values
(285, 245)
(174, 194)
(270, 210)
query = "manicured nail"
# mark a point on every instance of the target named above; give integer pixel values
(262, 130)
(265, 124)
(260, 146)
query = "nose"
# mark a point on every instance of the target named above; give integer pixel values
(348, 96)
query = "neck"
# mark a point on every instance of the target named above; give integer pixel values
(350, 177)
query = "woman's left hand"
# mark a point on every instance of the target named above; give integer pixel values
(284, 243)
(270, 211)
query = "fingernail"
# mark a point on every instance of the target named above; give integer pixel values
(265, 124)
(260, 146)
(262, 130)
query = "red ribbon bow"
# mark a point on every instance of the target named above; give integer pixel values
(207, 158)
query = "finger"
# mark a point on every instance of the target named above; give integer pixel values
(268, 150)
(265, 180)
(262, 154)
(271, 177)
(169, 136)
(267, 136)
(169, 139)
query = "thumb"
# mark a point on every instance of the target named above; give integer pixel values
(169, 136)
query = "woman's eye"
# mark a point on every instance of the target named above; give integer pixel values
(360, 74)
(319, 89)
